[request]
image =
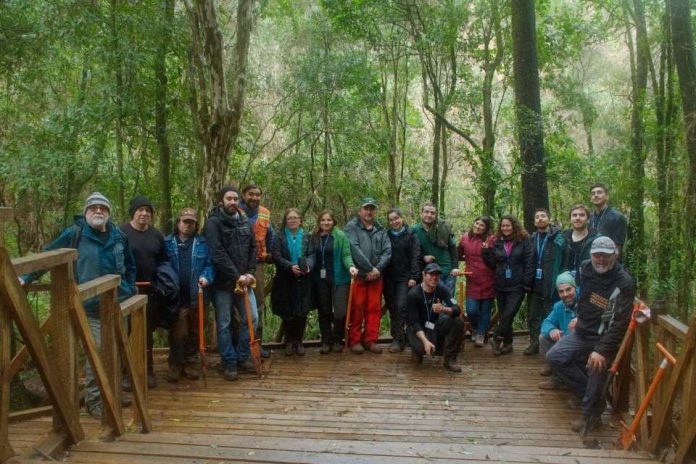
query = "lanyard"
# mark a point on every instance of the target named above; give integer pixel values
(598, 219)
(428, 306)
(322, 247)
(540, 248)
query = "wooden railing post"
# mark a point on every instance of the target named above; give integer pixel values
(138, 343)
(6, 450)
(63, 340)
(110, 311)
(642, 375)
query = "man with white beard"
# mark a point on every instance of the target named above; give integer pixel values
(102, 248)
(581, 358)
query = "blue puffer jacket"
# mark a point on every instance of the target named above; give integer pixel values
(201, 265)
(96, 259)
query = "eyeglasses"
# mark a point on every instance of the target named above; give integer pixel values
(97, 208)
(292, 218)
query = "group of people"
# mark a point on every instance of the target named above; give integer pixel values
(414, 268)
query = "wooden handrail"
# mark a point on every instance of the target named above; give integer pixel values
(44, 260)
(674, 326)
(98, 286)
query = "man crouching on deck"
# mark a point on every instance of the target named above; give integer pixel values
(433, 318)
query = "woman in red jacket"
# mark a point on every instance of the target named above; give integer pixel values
(479, 284)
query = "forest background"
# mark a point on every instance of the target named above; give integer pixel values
(322, 102)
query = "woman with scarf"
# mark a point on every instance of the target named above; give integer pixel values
(290, 298)
(512, 260)
(400, 275)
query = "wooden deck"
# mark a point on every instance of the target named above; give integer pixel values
(354, 409)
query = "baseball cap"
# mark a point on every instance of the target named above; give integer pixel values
(603, 245)
(188, 213)
(432, 267)
(368, 201)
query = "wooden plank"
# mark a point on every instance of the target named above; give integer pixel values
(23, 354)
(642, 377)
(98, 286)
(132, 304)
(138, 345)
(27, 414)
(110, 313)
(661, 416)
(674, 326)
(52, 445)
(44, 261)
(686, 440)
(63, 341)
(6, 450)
(81, 324)
(137, 381)
(15, 300)
(688, 403)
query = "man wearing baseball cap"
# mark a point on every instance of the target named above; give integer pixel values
(581, 358)
(433, 318)
(102, 248)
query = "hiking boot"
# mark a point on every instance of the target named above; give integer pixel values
(478, 343)
(173, 374)
(552, 384)
(451, 365)
(395, 347)
(325, 348)
(533, 348)
(299, 349)
(151, 380)
(373, 348)
(288, 350)
(416, 358)
(357, 349)
(506, 349)
(95, 411)
(546, 370)
(230, 373)
(574, 403)
(496, 346)
(192, 373)
(585, 424)
(337, 347)
(246, 367)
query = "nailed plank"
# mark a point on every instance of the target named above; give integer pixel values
(137, 381)
(98, 286)
(672, 325)
(23, 354)
(642, 378)
(14, 299)
(686, 440)
(110, 313)
(6, 450)
(44, 260)
(132, 304)
(82, 328)
(26, 414)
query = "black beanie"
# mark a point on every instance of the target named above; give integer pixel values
(224, 190)
(139, 202)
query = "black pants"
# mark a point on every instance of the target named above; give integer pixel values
(537, 310)
(294, 328)
(447, 337)
(395, 298)
(332, 303)
(508, 305)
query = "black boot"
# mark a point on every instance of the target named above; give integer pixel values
(300, 325)
(289, 336)
(533, 347)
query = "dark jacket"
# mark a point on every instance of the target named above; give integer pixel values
(96, 258)
(370, 248)
(598, 314)
(520, 262)
(291, 295)
(201, 265)
(232, 247)
(563, 257)
(545, 285)
(405, 257)
(165, 291)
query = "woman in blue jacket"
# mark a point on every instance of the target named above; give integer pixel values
(188, 253)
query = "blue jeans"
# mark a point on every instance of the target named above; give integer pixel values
(233, 338)
(92, 395)
(479, 314)
(568, 359)
(449, 282)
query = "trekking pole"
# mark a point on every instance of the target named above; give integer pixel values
(254, 343)
(350, 302)
(628, 434)
(201, 336)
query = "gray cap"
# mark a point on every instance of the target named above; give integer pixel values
(96, 198)
(603, 245)
(432, 267)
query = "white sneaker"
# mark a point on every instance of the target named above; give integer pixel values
(479, 341)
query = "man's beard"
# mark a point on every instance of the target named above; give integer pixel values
(231, 210)
(97, 222)
(602, 268)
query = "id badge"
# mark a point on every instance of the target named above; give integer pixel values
(508, 273)
(429, 325)
(322, 273)
(538, 273)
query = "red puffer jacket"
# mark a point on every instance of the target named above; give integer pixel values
(479, 285)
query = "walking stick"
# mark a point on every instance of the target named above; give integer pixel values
(201, 336)
(254, 343)
(350, 302)
(628, 434)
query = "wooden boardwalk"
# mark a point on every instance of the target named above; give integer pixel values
(355, 409)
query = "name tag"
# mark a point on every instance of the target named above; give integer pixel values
(429, 325)
(539, 273)
(508, 273)
(322, 273)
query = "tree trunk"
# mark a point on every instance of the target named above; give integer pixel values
(435, 182)
(530, 133)
(636, 258)
(165, 209)
(118, 75)
(685, 60)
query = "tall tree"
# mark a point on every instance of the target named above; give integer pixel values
(530, 133)
(219, 114)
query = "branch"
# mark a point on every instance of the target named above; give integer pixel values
(454, 129)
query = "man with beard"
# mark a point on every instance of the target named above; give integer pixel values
(260, 221)
(147, 243)
(581, 358)
(232, 248)
(606, 219)
(102, 248)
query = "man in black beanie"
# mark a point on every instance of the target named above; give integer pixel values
(147, 244)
